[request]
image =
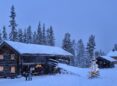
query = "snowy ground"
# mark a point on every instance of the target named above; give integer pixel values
(77, 78)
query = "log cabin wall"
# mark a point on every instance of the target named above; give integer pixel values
(12, 62)
(61, 59)
(115, 57)
(29, 61)
(8, 62)
(34, 59)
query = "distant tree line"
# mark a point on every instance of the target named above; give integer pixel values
(82, 55)
(40, 36)
(115, 47)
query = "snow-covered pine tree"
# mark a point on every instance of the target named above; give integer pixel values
(73, 47)
(87, 61)
(115, 47)
(20, 35)
(80, 54)
(34, 37)
(73, 52)
(91, 47)
(67, 45)
(13, 25)
(29, 35)
(39, 34)
(102, 53)
(4, 33)
(25, 36)
(1, 37)
(99, 53)
(50, 39)
(43, 35)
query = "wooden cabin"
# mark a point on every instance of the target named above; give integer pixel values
(105, 62)
(17, 58)
(113, 54)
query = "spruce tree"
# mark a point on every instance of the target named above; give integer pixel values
(1, 37)
(115, 47)
(20, 35)
(50, 39)
(13, 25)
(25, 36)
(29, 35)
(67, 45)
(39, 34)
(4, 33)
(91, 47)
(73, 47)
(43, 35)
(87, 59)
(102, 53)
(34, 37)
(47, 37)
(99, 53)
(73, 52)
(80, 54)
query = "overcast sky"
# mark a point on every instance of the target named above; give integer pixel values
(79, 17)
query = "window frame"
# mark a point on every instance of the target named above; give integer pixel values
(12, 56)
(2, 56)
(1, 70)
(13, 69)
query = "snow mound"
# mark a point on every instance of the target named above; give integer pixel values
(74, 70)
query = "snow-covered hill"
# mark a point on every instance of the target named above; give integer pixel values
(78, 77)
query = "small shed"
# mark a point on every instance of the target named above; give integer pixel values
(105, 62)
(113, 54)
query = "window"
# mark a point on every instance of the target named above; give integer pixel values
(39, 65)
(12, 56)
(12, 69)
(1, 68)
(6, 56)
(1, 56)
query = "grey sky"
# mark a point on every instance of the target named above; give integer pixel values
(79, 17)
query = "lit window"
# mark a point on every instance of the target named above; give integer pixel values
(39, 65)
(1, 56)
(12, 56)
(1, 68)
(13, 69)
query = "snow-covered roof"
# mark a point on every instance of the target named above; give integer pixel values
(109, 58)
(24, 48)
(112, 54)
